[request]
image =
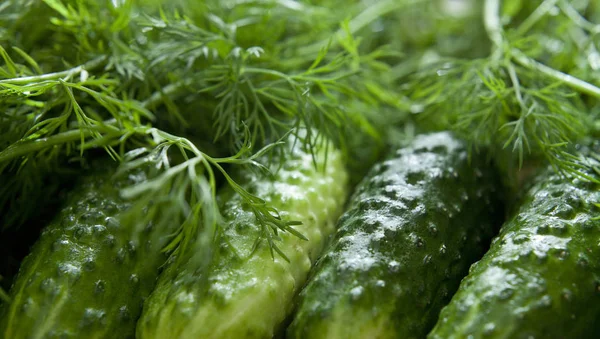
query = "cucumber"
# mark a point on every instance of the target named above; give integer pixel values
(24, 212)
(246, 294)
(88, 273)
(413, 227)
(541, 276)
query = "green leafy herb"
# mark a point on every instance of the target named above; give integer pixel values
(524, 96)
(197, 88)
(142, 79)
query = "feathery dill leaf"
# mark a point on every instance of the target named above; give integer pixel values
(120, 76)
(266, 88)
(523, 97)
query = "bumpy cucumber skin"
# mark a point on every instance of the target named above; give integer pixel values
(541, 276)
(249, 296)
(87, 275)
(412, 229)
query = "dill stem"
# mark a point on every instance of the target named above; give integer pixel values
(539, 13)
(577, 18)
(300, 77)
(30, 146)
(491, 20)
(57, 75)
(567, 79)
(494, 29)
(517, 86)
(133, 191)
(169, 90)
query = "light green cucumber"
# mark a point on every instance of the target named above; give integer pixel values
(248, 294)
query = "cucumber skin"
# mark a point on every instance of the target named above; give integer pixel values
(87, 275)
(249, 296)
(541, 276)
(412, 229)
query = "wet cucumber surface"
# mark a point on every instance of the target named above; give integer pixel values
(413, 227)
(87, 275)
(541, 276)
(247, 292)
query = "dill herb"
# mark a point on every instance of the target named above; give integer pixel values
(121, 76)
(520, 97)
(198, 88)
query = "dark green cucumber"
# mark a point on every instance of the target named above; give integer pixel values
(24, 212)
(87, 275)
(541, 276)
(413, 228)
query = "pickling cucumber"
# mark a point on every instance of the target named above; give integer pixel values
(246, 293)
(541, 276)
(87, 275)
(413, 227)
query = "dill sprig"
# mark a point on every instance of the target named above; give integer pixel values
(267, 89)
(516, 98)
(128, 72)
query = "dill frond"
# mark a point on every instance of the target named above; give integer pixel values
(519, 98)
(122, 77)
